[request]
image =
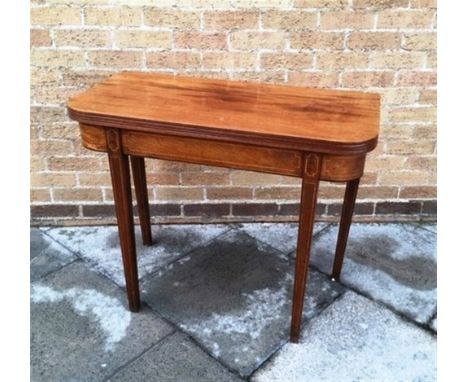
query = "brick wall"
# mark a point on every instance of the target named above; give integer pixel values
(381, 46)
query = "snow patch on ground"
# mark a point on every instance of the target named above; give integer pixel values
(183, 260)
(281, 236)
(216, 351)
(108, 312)
(355, 340)
(434, 324)
(101, 246)
(393, 263)
(263, 307)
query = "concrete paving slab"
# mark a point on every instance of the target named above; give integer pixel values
(46, 255)
(176, 358)
(100, 246)
(434, 324)
(355, 339)
(37, 242)
(430, 227)
(392, 263)
(282, 236)
(81, 329)
(234, 297)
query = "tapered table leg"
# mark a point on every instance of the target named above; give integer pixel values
(141, 192)
(120, 174)
(310, 182)
(345, 223)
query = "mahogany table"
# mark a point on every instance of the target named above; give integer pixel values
(301, 132)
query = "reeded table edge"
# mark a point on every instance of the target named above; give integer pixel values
(204, 132)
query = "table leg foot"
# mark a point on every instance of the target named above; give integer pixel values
(310, 184)
(345, 224)
(141, 193)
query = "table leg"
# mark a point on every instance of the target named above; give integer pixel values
(345, 223)
(141, 193)
(120, 174)
(310, 182)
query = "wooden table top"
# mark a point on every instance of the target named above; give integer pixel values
(274, 115)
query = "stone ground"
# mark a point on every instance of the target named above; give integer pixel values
(216, 305)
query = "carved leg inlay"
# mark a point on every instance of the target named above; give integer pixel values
(120, 174)
(310, 182)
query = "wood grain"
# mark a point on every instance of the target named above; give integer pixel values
(327, 121)
(93, 137)
(141, 194)
(345, 224)
(193, 150)
(310, 183)
(339, 168)
(308, 133)
(120, 175)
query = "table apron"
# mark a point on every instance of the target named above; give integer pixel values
(224, 154)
